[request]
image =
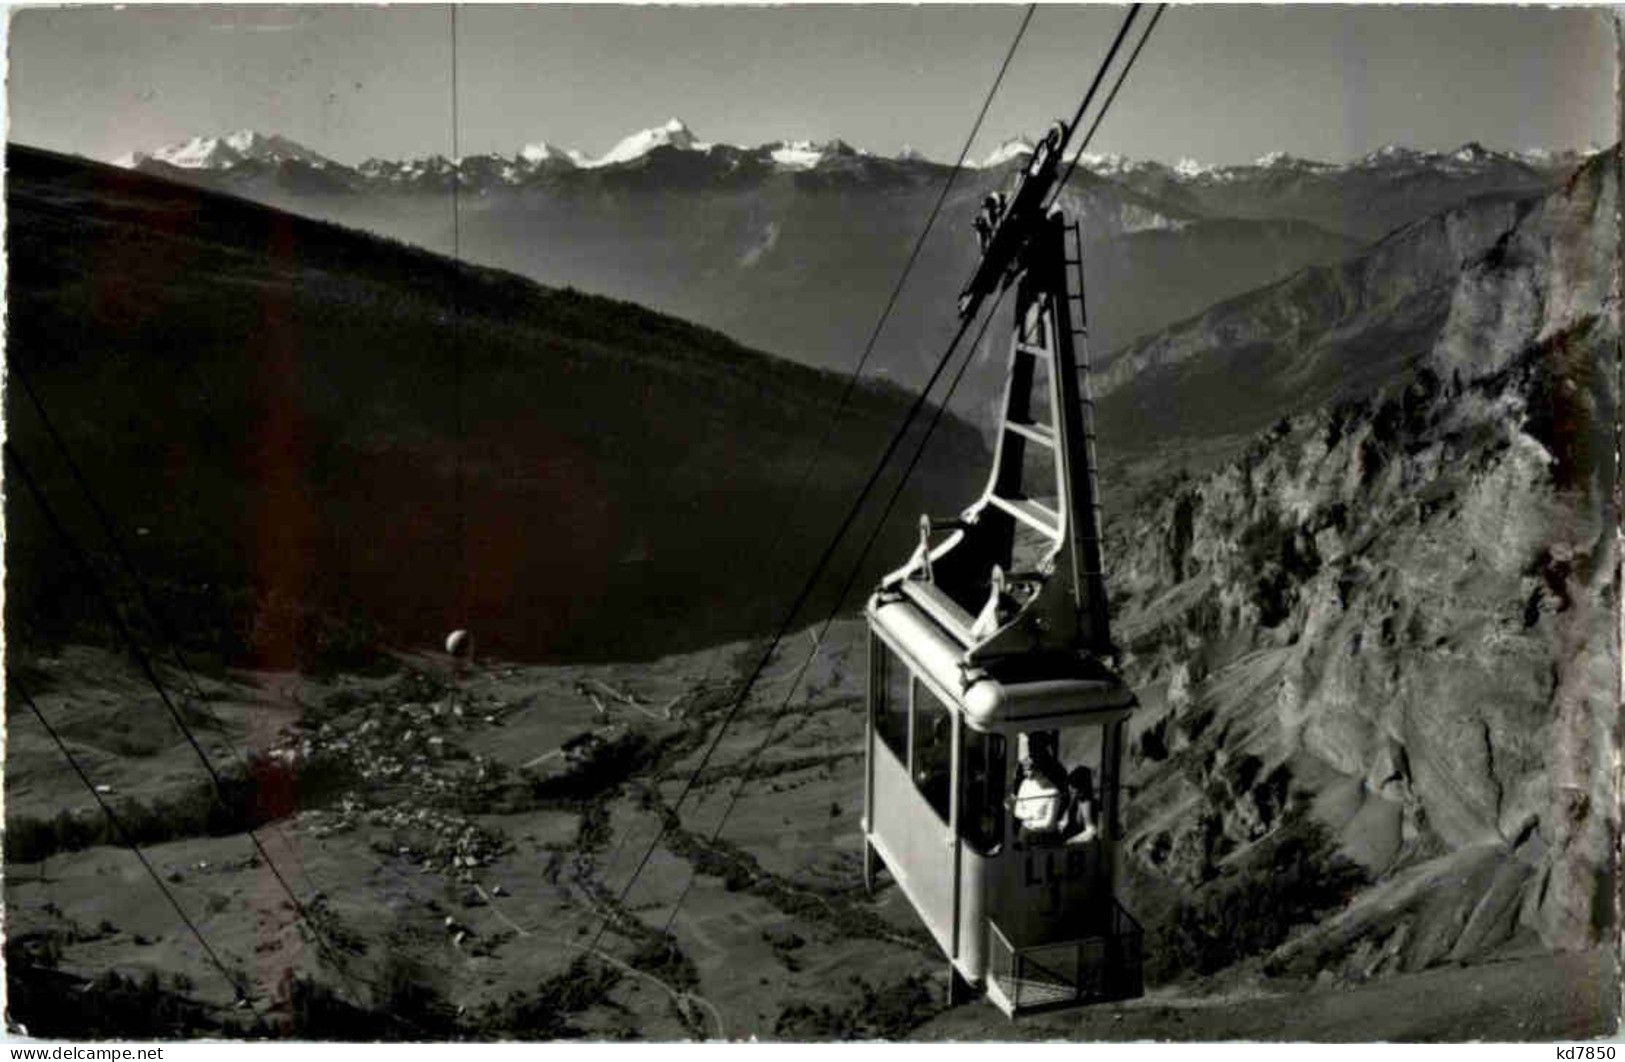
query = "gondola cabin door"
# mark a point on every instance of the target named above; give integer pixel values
(995, 723)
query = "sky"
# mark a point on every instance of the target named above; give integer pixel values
(1220, 84)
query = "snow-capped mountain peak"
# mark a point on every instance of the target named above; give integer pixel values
(223, 152)
(674, 133)
(542, 152)
(797, 154)
(1389, 155)
(807, 154)
(1010, 150)
(1192, 168)
(1110, 163)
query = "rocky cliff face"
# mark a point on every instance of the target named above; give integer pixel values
(1324, 332)
(1397, 608)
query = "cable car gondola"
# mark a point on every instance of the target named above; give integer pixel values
(995, 722)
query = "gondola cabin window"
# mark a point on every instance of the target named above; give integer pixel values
(1053, 795)
(981, 805)
(890, 680)
(933, 749)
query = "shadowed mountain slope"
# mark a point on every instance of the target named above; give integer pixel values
(287, 418)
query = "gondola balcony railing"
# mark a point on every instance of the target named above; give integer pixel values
(1055, 974)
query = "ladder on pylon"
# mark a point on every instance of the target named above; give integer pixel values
(1078, 316)
(1051, 330)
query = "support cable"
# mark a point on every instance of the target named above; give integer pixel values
(813, 462)
(846, 524)
(237, 989)
(459, 486)
(925, 439)
(144, 663)
(1100, 116)
(784, 628)
(747, 775)
(166, 629)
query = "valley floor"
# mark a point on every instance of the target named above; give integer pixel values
(442, 863)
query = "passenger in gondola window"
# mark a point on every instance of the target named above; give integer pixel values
(1080, 826)
(1040, 801)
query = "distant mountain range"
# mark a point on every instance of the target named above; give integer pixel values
(794, 246)
(246, 145)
